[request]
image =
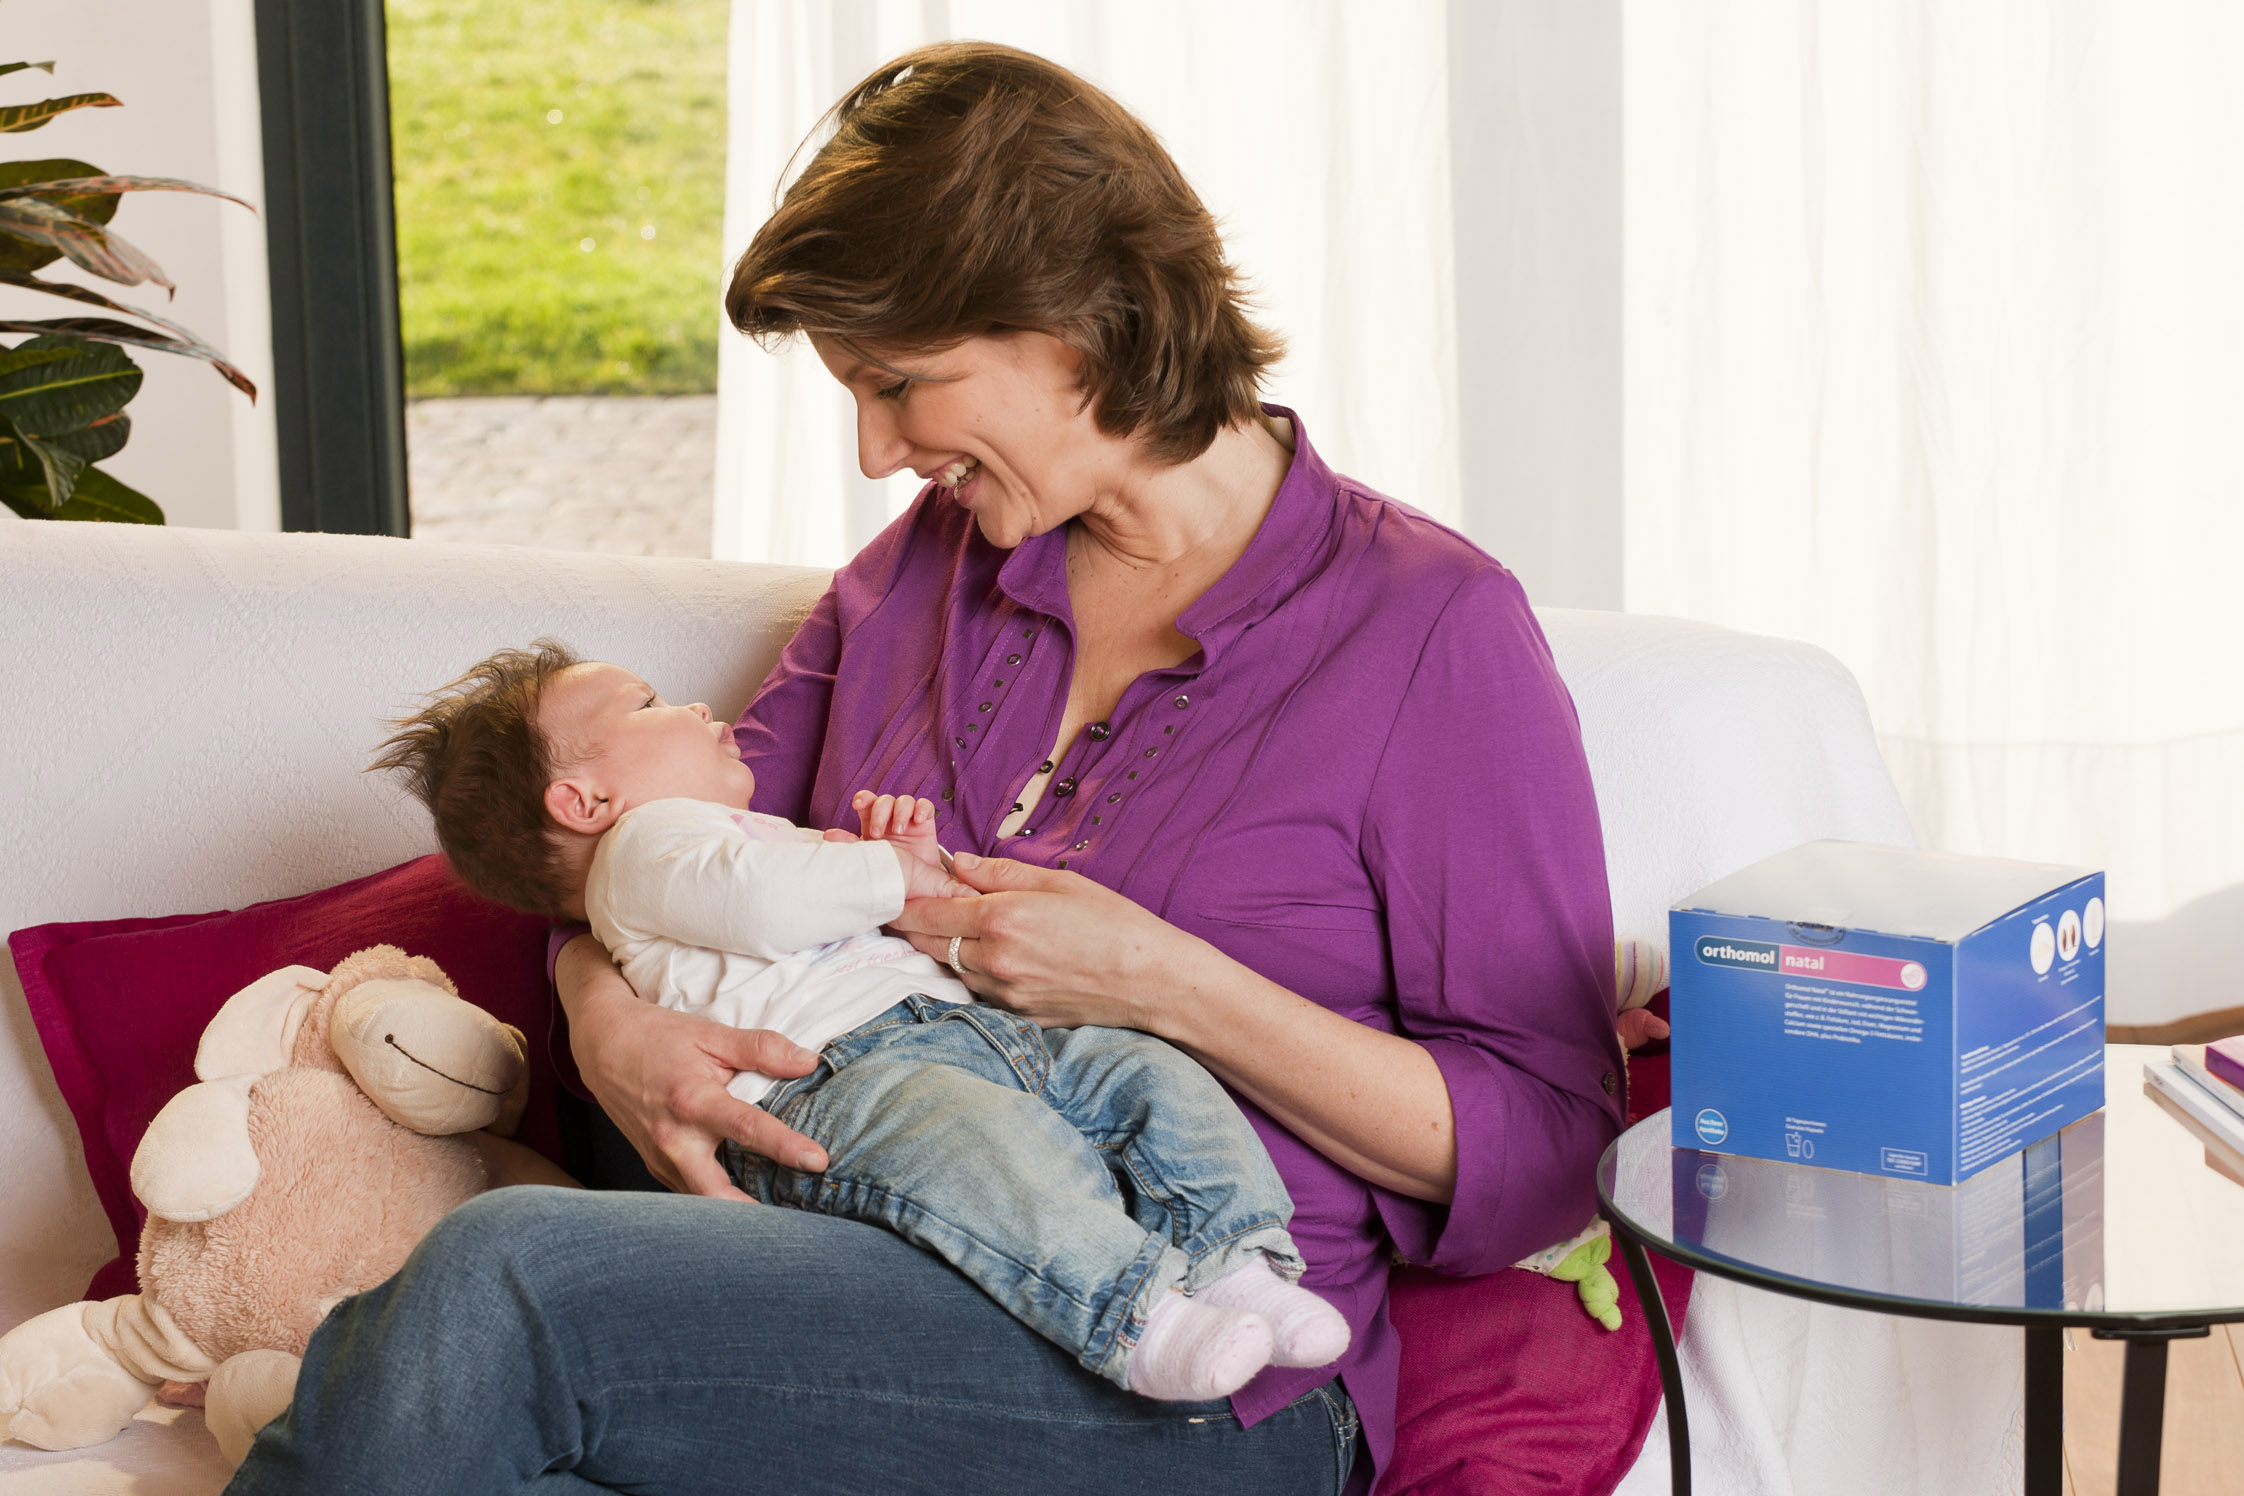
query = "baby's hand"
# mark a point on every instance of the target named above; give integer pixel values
(903, 819)
(927, 880)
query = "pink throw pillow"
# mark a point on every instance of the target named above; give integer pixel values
(1508, 1386)
(121, 1004)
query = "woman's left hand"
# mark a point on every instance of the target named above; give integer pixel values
(1052, 946)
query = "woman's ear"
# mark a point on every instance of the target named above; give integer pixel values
(577, 804)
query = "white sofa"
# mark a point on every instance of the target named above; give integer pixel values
(187, 715)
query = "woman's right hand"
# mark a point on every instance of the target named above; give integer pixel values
(660, 1076)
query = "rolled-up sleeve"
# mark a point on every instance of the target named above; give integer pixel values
(1482, 835)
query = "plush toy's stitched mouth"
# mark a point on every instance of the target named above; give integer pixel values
(391, 1041)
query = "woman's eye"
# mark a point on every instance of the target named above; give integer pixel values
(894, 391)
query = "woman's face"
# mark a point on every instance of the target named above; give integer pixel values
(1000, 421)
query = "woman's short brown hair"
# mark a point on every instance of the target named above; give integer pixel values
(971, 189)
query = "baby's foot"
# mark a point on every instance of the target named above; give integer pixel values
(1193, 1350)
(1306, 1330)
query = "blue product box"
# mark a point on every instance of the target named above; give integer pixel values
(1886, 1011)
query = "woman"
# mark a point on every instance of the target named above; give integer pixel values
(1270, 765)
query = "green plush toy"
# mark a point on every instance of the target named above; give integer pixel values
(1585, 1268)
(1580, 1260)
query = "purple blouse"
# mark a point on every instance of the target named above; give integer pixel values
(1368, 786)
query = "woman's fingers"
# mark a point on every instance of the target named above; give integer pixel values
(1004, 875)
(699, 1173)
(765, 1051)
(760, 1132)
(940, 919)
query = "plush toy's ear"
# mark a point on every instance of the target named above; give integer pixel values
(255, 1032)
(195, 1163)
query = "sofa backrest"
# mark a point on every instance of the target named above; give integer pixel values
(188, 716)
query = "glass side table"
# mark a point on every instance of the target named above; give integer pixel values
(2117, 1225)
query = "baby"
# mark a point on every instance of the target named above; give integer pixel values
(1095, 1182)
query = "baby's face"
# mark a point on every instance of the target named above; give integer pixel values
(607, 723)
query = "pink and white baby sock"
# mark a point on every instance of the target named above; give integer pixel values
(1193, 1350)
(1306, 1330)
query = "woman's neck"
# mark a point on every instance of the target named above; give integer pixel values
(1186, 518)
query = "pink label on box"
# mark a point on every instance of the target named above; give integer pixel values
(1851, 966)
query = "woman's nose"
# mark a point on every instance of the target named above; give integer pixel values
(881, 448)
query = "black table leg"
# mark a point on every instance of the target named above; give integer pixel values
(2142, 1404)
(1671, 1366)
(2045, 1411)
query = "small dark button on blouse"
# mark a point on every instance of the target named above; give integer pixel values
(1099, 732)
(1047, 767)
(985, 706)
(1012, 659)
(1016, 810)
(1152, 753)
(1115, 799)
(961, 743)
(1064, 788)
(1181, 702)
(1608, 1082)
(946, 794)
(1079, 846)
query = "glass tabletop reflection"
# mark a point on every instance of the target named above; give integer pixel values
(2119, 1220)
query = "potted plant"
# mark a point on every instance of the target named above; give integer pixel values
(63, 389)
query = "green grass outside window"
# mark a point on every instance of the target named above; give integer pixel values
(560, 191)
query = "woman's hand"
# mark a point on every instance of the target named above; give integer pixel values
(1054, 947)
(661, 1076)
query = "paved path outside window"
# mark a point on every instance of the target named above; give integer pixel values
(625, 474)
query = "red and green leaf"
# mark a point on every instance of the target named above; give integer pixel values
(17, 118)
(96, 185)
(175, 339)
(91, 246)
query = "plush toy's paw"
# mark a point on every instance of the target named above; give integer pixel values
(60, 1390)
(248, 1392)
(430, 1061)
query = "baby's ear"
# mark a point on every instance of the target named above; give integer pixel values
(576, 804)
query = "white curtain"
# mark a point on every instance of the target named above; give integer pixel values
(1316, 130)
(1935, 356)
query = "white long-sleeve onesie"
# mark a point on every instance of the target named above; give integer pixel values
(756, 922)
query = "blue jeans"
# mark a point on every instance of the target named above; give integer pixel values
(563, 1342)
(1072, 1173)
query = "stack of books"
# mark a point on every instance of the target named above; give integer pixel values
(2203, 1087)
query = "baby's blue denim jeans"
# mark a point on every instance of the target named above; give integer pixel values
(1073, 1174)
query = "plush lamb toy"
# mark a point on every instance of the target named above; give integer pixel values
(336, 1120)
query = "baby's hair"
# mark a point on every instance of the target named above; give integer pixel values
(476, 757)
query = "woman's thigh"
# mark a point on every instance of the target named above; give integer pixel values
(673, 1344)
